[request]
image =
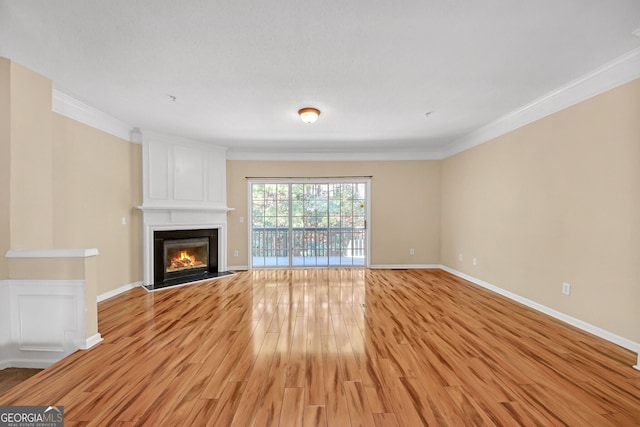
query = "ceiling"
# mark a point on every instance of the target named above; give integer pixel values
(403, 75)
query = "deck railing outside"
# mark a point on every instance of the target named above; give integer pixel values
(308, 242)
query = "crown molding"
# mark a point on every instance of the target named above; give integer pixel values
(169, 208)
(151, 135)
(334, 156)
(615, 73)
(72, 108)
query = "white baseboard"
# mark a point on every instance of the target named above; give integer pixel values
(118, 291)
(375, 266)
(45, 362)
(404, 266)
(587, 327)
(27, 363)
(91, 341)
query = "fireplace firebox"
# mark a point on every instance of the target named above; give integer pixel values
(182, 256)
(185, 256)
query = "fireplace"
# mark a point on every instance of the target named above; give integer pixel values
(181, 256)
(185, 256)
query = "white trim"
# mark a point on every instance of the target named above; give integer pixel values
(366, 180)
(21, 327)
(404, 266)
(587, 327)
(237, 267)
(91, 341)
(368, 155)
(71, 107)
(615, 73)
(118, 291)
(51, 253)
(147, 208)
(28, 363)
(47, 284)
(249, 226)
(638, 365)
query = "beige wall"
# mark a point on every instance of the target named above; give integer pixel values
(64, 184)
(97, 182)
(31, 169)
(405, 205)
(555, 201)
(47, 268)
(5, 164)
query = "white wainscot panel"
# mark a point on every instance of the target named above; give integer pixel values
(189, 178)
(47, 321)
(158, 167)
(217, 169)
(50, 335)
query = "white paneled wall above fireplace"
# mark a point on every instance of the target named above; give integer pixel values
(183, 173)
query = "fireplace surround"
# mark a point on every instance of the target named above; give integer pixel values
(164, 238)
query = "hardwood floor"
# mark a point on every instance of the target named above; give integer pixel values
(10, 377)
(336, 347)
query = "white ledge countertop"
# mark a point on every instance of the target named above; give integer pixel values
(52, 253)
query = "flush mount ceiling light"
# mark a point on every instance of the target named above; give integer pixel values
(309, 115)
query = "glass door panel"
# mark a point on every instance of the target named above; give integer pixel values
(308, 224)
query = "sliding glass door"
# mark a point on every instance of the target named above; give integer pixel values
(309, 223)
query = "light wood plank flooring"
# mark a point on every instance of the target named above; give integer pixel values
(336, 347)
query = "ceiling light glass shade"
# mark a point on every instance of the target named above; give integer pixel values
(309, 115)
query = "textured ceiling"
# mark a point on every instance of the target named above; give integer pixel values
(240, 69)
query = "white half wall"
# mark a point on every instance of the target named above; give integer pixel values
(42, 321)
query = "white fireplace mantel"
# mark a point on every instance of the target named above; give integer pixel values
(183, 208)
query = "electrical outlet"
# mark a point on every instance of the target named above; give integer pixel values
(460, 258)
(412, 252)
(566, 288)
(475, 262)
(241, 219)
(235, 253)
(124, 220)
